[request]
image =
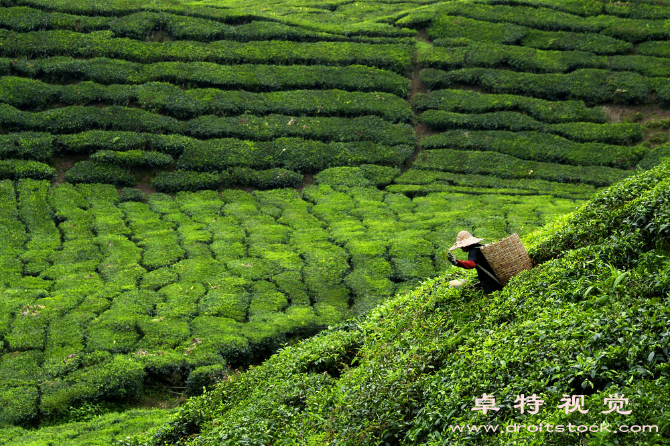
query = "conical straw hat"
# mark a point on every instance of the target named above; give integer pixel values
(463, 239)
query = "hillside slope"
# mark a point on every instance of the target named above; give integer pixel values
(591, 320)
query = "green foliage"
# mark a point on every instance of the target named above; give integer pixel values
(17, 169)
(184, 180)
(27, 145)
(206, 74)
(505, 166)
(103, 43)
(464, 101)
(538, 147)
(19, 405)
(99, 172)
(622, 134)
(447, 26)
(265, 179)
(302, 155)
(130, 194)
(132, 158)
(654, 157)
(589, 85)
(169, 99)
(422, 182)
(203, 377)
(118, 379)
(343, 178)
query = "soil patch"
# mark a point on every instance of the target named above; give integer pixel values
(64, 163)
(617, 113)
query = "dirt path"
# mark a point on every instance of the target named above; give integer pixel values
(421, 129)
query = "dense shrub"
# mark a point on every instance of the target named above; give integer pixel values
(343, 178)
(539, 147)
(103, 43)
(129, 194)
(28, 145)
(423, 182)
(205, 74)
(79, 118)
(654, 157)
(265, 179)
(505, 166)
(590, 85)
(464, 101)
(133, 158)
(184, 104)
(16, 169)
(180, 180)
(297, 154)
(97, 172)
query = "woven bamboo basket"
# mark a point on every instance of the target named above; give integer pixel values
(507, 257)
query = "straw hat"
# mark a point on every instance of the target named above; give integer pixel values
(463, 239)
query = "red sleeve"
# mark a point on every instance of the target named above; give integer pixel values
(468, 264)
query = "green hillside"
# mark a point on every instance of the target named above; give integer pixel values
(592, 319)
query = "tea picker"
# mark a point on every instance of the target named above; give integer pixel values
(496, 263)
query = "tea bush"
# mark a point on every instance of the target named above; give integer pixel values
(395, 57)
(132, 158)
(538, 146)
(464, 101)
(171, 100)
(621, 134)
(99, 172)
(506, 166)
(251, 77)
(421, 182)
(589, 85)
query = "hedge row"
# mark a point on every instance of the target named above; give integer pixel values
(421, 182)
(396, 57)
(449, 27)
(133, 158)
(630, 30)
(265, 179)
(187, 180)
(16, 169)
(106, 71)
(27, 145)
(43, 239)
(538, 147)
(297, 154)
(141, 24)
(655, 49)
(98, 172)
(79, 118)
(465, 101)
(589, 85)
(366, 175)
(185, 104)
(367, 28)
(646, 9)
(506, 166)
(458, 53)
(226, 15)
(305, 156)
(621, 134)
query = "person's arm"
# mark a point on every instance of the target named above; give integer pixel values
(468, 264)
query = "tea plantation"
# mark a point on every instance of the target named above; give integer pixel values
(189, 186)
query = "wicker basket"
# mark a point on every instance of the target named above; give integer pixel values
(507, 257)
